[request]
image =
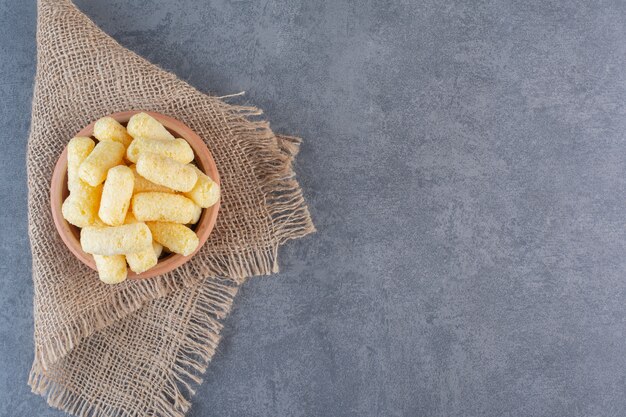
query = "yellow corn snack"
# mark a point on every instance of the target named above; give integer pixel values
(116, 195)
(166, 171)
(174, 236)
(142, 185)
(105, 155)
(177, 149)
(142, 261)
(163, 207)
(78, 149)
(81, 207)
(142, 125)
(111, 269)
(205, 192)
(116, 240)
(197, 212)
(158, 248)
(109, 129)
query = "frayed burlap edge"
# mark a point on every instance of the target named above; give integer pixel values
(192, 359)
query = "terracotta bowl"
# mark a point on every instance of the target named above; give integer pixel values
(71, 234)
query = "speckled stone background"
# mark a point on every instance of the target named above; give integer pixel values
(465, 165)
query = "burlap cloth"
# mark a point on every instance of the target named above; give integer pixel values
(139, 348)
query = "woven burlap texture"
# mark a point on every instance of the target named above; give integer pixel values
(139, 348)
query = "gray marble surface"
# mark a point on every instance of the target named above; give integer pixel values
(465, 165)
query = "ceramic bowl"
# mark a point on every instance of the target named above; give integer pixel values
(71, 234)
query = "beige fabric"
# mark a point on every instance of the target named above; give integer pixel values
(138, 348)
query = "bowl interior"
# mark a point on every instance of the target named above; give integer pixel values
(70, 234)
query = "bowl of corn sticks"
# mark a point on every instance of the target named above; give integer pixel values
(135, 195)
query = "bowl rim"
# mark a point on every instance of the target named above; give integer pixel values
(203, 159)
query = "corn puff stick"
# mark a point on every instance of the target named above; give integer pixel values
(111, 269)
(81, 207)
(116, 195)
(105, 155)
(109, 129)
(142, 185)
(174, 236)
(142, 261)
(166, 171)
(142, 125)
(163, 207)
(205, 192)
(177, 149)
(78, 149)
(116, 240)
(196, 214)
(158, 248)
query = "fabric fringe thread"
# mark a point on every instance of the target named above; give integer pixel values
(193, 357)
(124, 304)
